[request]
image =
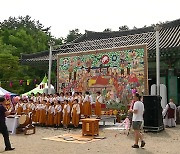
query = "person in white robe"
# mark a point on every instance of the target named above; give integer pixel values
(87, 102)
(169, 118)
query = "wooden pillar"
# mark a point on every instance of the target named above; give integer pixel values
(172, 86)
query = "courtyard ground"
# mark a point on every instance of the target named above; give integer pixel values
(116, 142)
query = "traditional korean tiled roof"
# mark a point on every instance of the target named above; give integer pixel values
(169, 42)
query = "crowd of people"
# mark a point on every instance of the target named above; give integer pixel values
(65, 108)
(57, 109)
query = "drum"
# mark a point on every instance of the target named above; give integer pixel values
(24, 120)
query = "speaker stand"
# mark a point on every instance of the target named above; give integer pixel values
(153, 129)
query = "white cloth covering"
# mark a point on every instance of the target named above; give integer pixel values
(12, 123)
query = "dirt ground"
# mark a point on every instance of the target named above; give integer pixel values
(167, 141)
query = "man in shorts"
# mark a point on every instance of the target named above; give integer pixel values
(137, 119)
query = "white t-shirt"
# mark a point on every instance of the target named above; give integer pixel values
(138, 105)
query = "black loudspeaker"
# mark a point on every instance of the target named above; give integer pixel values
(153, 112)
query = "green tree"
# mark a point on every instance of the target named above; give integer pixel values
(28, 36)
(21, 35)
(9, 69)
(73, 34)
(25, 35)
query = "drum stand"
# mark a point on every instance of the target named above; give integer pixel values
(26, 128)
(29, 127)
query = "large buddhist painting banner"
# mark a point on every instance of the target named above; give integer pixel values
(117, 72)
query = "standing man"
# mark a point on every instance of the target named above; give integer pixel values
(137, 119)
(169, 114)
(3, 127)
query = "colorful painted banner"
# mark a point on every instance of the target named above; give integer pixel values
(114, 72)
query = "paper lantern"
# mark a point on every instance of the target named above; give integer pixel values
(7, 96)
(35, 81)
(16, 99)
(11, 84)
(28, 82)
(21, 82)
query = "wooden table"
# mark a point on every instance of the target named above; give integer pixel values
(90, 126)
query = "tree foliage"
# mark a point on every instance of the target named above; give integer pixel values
(21, 35)
(10, 70)
(25, 35)
(28, 36)
(73, 34)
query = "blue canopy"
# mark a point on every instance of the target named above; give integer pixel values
(3, 92)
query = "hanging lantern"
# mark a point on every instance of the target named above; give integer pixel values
(16, 99)
(11, 84)
(35, 81)
(7, 96)
(21, 82)
(28, 82)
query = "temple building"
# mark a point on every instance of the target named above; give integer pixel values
(169, 43)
